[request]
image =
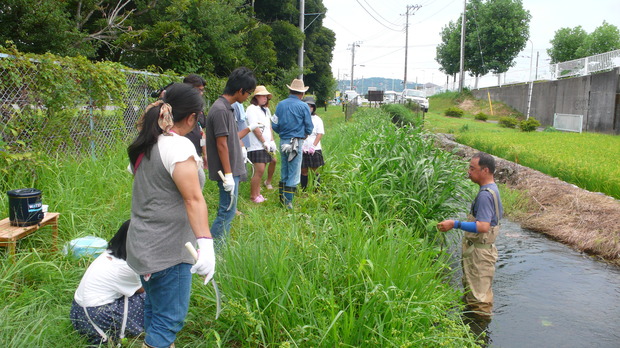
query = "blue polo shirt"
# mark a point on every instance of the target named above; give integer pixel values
(294, 119)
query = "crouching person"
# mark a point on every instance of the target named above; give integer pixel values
(109, 302)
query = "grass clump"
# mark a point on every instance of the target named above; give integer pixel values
(454, 111)
(508, 122)
(402, 115)
(481, 116)
(529, 125)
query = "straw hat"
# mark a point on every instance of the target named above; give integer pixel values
(298, 86)
(262, 90)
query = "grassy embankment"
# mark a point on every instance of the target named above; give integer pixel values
(357, 264)
(587, 160)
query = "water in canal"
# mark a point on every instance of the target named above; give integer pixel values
(548, 295)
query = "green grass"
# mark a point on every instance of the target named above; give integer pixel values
(587, 160)
(356, 264)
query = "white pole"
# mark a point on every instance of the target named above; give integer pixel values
(529, 98)
(300, 59)
(462, 71)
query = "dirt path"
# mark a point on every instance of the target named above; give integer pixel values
(584, 220)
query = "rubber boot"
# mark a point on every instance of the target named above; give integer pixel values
(304, 182)
(289, 194)
(281, 191)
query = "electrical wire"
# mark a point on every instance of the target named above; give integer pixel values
(379, 14)
(373, 17)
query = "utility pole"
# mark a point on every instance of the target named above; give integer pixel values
(412, 8)
(300, 59)
(353, 45)
(462, 71)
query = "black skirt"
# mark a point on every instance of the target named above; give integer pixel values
(313, 161)
(259, 156)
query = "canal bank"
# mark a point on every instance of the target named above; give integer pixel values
(586, 221)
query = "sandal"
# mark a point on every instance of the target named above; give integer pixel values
(258, 199)
(268, 186)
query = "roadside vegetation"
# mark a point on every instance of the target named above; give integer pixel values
(358, 263)
(587, 160)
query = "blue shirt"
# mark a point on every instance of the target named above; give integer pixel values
(241, 124)
(294, 120)
(483, 208)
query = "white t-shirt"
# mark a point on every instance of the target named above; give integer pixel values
(255, 114)
(174, 149)
(318, 129)
(105, 280)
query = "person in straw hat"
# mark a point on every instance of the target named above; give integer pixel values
(292, 121)
(261, 144)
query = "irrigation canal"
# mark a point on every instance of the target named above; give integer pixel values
(548, 295)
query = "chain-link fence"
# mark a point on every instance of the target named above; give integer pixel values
(29, 124)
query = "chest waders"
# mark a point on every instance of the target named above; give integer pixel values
(478, 263)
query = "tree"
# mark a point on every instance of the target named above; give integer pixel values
(565, 44)
(30, 28)
(603, 39)
(449, 50)
(496, 31)
(319, 54)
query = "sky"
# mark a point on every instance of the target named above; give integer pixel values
(377, 28)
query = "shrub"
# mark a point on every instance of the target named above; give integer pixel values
(529, 125)
(550, 129)
(508, 122)
(481, 116)
(453, 111)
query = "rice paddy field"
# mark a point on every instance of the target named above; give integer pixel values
(587, 160)
(358, 263)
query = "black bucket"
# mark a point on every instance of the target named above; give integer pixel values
(25, 207)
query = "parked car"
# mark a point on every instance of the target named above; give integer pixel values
(416, 96)
(390, 97)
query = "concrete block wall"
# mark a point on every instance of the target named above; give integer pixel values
(596, 97)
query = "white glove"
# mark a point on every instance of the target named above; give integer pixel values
(266, 146)
(286, 148)
(244, 153)
(253, 126)
(229, 182)
(274, 119)
(205, 265)
(272, 146)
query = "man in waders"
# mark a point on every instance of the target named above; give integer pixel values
(481, 230)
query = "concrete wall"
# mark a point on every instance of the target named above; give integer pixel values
(596, 97)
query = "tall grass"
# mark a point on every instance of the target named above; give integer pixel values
(354, 265)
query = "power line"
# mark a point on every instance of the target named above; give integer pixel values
(373, 17)
(379, 14)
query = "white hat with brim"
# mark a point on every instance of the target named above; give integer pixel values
(262, 90)
(298, 86)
